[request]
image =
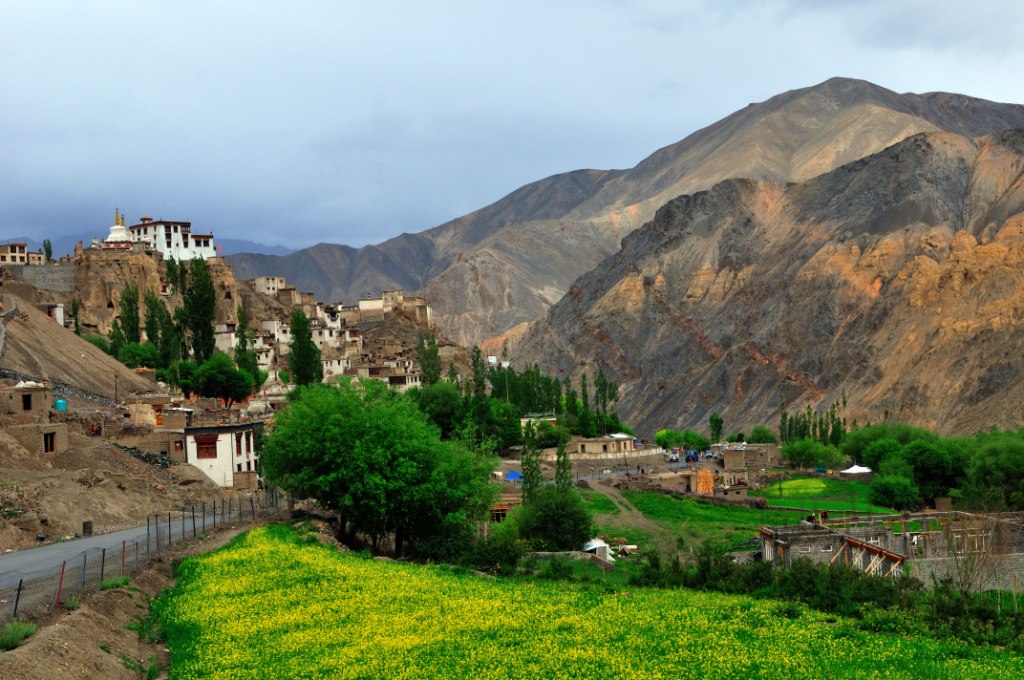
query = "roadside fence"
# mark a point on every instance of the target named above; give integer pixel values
(26, 597)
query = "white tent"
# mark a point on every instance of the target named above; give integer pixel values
(856, 470)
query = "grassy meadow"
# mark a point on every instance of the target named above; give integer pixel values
(816, 493)
(276, 604)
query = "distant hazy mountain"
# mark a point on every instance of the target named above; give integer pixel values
(507, 263)
(231, 246)
(894, 280)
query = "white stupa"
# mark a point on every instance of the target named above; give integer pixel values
(118, 237)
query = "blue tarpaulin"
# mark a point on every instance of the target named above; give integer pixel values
(514, 474)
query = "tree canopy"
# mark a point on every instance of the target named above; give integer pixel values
(219, 378)
(371, 455)
(304, 358)
(200, 310)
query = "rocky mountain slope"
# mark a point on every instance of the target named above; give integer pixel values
(895, 279)
(506, 264)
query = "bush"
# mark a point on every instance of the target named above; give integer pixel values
(116, 582)
(14, 633)
(99, 341)
(555, 519)
(496, 555)
(762, 435)
(558, 568)
(894, 491)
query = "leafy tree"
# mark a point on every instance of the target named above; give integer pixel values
(453, 373)
(443, 405)
(686, 439)
(304, 359)
(183, 375)
(245, 349)
(563, 469)
(857, 441)
(372, 456)
(129, 316)
(429, 359)
(115, 339)
(47, 249)
(736, 437)
(549, 436)
(808, 452)
(102, 343)
(586, 419)
(894, 491)
(74, 315)
(200, 310)
(715, 423)
(532, 476)
(136, 355)
(218, 377)
(555, 520)
(761, 434)
(995, 474)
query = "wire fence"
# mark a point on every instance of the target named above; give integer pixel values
(26, 597)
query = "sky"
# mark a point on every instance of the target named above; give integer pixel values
(351, 122)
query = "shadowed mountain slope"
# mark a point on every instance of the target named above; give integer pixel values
(895, 279)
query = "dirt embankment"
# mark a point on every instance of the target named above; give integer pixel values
(93, 640)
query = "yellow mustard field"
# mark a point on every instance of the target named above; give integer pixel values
(271, 605)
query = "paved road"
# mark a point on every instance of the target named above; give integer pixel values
(29, 563)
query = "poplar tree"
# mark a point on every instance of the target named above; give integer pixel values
(532, 477)
(304, 359)
(200, 310)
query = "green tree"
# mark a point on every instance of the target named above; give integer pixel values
(129, 316)
(200, 310)
(47, 249)
(453, 373)
(429, 359)
(586, 419)
(715, 423)
(761, 434)
(894, 491)
(555, 520)
(136, 355)
(563, 469)
(443, 405)
(75, 305)
(218, 377)
(532, 476)
(115, 339)
(245, 349)
(183, 375)
(372, 456)
(304, 359)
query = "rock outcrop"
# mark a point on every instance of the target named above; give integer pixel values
(894, 280)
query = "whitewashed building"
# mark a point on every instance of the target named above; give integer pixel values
(225, 453)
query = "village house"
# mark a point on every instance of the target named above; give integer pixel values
(18, 253)
(172, 239)
(226, 452)
(25, 414)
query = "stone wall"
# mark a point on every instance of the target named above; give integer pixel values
(32, 437)
(59, 278)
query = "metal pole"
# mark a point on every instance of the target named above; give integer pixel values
(17, 598)
(170, 531)
(147, 538)
(85, 557)
(204, 517)
(60, 584)
(122, 557)
(252, 507)
(193, 521)
(103, 564)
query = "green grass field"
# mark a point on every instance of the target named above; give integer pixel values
(815, 493)
(273, 605)
(733, 526)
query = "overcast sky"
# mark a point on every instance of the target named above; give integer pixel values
(301, 122)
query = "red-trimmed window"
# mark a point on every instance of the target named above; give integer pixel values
(206, 446)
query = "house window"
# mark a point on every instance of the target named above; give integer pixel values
(826, 548)
(206, 447)
(805, 548)
(248, 466)
(248, 442)
(238, 443)
(49, 442)
(178, 446)
(239, 467)
(26, 402)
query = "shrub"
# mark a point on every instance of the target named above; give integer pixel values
(555, 519)
(496, 555)
(14, 633)
(116, 582)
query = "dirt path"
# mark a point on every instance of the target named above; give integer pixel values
(629, 516)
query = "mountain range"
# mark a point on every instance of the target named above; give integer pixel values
(505, 264)
(756, 260)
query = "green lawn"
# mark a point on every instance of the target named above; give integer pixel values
(816, 493)
(697, 520)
